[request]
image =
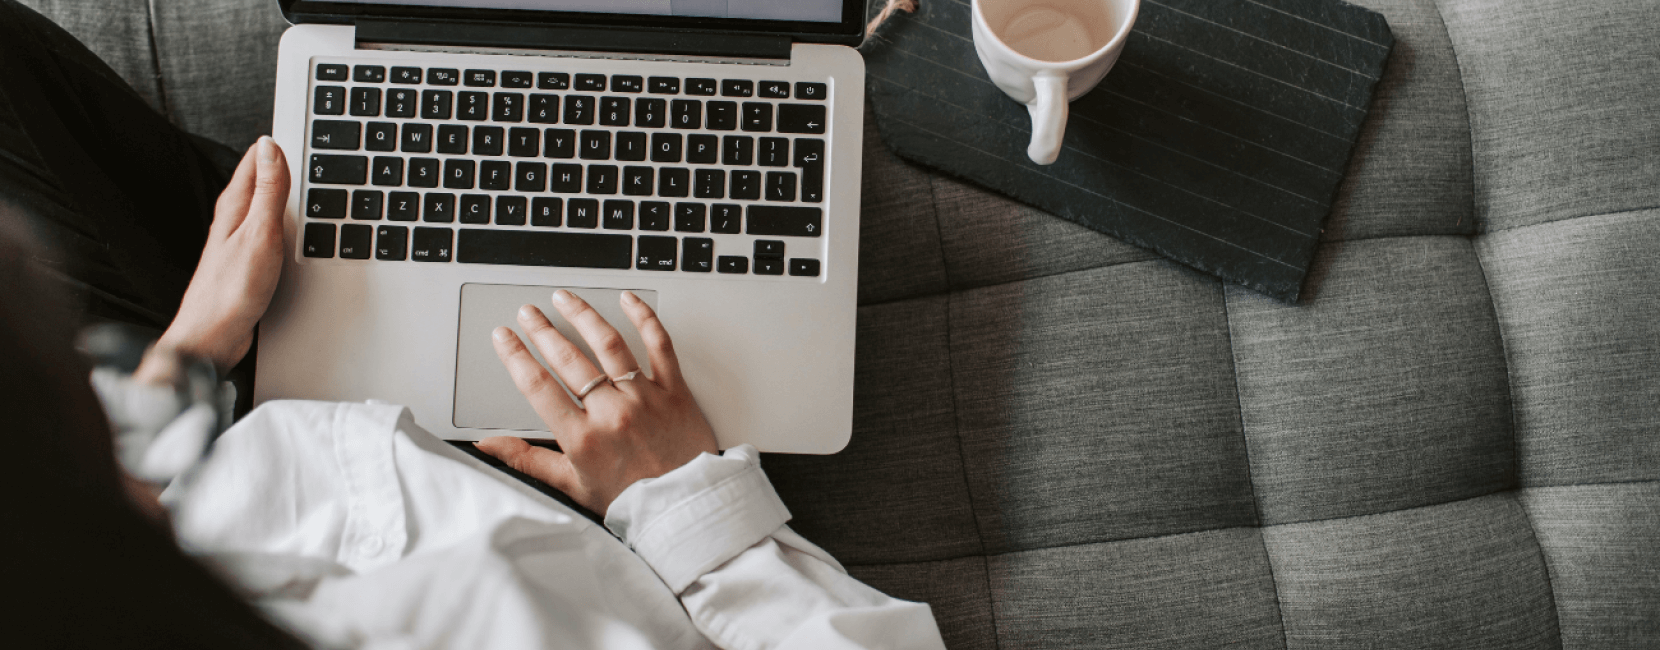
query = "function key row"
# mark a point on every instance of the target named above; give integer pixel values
(563, 81)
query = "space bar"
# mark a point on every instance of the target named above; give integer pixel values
(592, 251)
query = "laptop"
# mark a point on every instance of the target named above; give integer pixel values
(455, 159)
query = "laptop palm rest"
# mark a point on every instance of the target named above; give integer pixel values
(485, 397)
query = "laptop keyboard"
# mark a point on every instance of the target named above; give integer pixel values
(547, 168)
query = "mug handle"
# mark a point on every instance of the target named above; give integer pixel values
(1049, 111)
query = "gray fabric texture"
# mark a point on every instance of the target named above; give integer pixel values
(1061, 441)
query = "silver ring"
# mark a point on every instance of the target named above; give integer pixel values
(591, 386)
(631, 375)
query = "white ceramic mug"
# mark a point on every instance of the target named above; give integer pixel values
(1046, 53)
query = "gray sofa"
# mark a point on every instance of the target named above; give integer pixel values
(1061, 440)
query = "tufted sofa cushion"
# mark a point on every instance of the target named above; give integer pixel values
(1061, 440)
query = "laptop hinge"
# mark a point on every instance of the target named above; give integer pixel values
(586, 38)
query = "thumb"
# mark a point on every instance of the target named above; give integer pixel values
(543, 464)
(271, 185)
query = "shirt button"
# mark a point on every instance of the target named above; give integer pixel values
(371, 546)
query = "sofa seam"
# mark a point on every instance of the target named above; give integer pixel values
(1476, 218)
(155, 58)
(1547, 222)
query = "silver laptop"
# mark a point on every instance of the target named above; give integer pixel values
(455, 159)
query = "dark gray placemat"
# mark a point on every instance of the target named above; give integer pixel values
(1218, 140)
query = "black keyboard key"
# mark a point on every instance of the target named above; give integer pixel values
(559, 143)
(809, 157)
(402, 75)
(709, 184)
(423, 172)
(382, 136)
(436, 104)
(809, 152)
(656, 253)
(757, 117)
(613, 111)
(438, 208)
(487, 140)
(686, 114)
(723, 116)
(369, 74)
(319, 240)
(365, 102)
(808, 90)
(329, 100)
(602, 179)
(780, 186)
(651, 113)
(403, 206)
(495, 175)
(590, 82)
(339, 170)
(596, 145)
(546, 212)
(584, 213)
(458, 174)
(812, 184)
(334, 134)
(510, 211)
(739, 150)
(524, 143)
(388, 171)
(769, 248)
(357, 241)
(774, 152)
(392, 242)
(565, 178)
(473, 106)
(516, 79)
(697, 255)
(618, 215)
(530, 177)
(733, 264)
(544, 109)
(631, 146)
(331, 72)
(746, 185)
(664, 85)
(726, 218)
(452, 138)
(689, 217)
(702, 149)
(737, 88)
(532, 248)
(432, 244)
(801, 118)
(474, 208)
(775, 89)
(480, 78)
(674, 182)
(402, 102)
(637, 181)
(417, 138)
(665, 147)
(769, 266)
(785, 221)
(802, 267)
(443, 76)
(627, 83)
(326, 204)
(654, 215)
(553, 80)
(579, 109)
(508, 107)
(706, 87)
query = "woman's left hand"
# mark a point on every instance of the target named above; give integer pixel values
(240, 265)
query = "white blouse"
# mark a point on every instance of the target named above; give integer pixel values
(356, 528)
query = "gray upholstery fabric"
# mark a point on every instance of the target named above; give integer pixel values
(1453, 442)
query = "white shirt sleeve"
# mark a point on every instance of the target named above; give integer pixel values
(714, 531)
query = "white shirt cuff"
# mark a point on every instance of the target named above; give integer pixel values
(694, 519)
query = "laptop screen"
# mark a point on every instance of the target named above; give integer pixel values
(819, 11)
(812, 20)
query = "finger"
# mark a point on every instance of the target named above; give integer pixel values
(561, 354)
(608, 345)
(534, 382)
(541, 463)
(270, 189)
(665, 365)
(232, 206)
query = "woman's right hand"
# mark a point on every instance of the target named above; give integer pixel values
(624, 431)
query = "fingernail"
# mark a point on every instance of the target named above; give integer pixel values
(561, 296)
(630, 298)
(502, 334)
(527, 311)
(267, 149)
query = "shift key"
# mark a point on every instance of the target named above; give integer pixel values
(785, 221)
(339, 170)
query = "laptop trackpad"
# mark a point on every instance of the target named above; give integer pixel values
(485, 397)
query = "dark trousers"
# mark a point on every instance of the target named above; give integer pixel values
(116, 199)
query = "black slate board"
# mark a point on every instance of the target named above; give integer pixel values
(1218, 140)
